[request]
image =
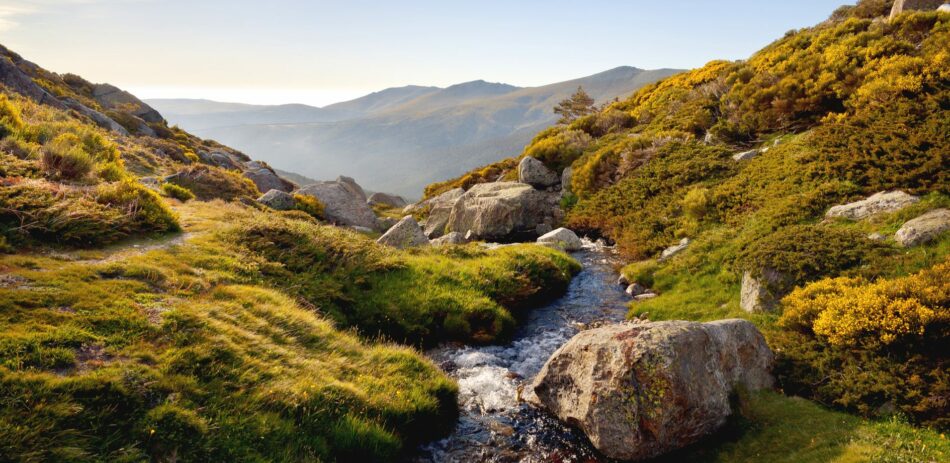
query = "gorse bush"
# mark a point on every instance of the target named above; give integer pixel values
(174, 191)
(310, 205)
(65, 158)
(10, 120)
(853, 312)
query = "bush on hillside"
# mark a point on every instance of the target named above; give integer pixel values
(174, 191)
(64, 158)
(309, 205)
(10, 120)
(871, 347)
(207, 183)
(486, 174)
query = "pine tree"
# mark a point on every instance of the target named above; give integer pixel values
(578, 105)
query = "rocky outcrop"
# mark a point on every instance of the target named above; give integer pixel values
(387, 200)
(222, 160)
(639, 390)
(18, 80)
(100, 119)
(901, 6)
(354, 188)
(503, 211)
(535, 173)
(636, 289)
(266, 178)
(885, 201)
(113, 98)
(675, 249)
(762, 290)
(923, 229)
(449, 238)
(563, 239)
(405, 234)
(277, 199)
(440, 208)
(341, 205)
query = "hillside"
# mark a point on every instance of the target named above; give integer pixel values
(400, 139)
(150, 309)
(731, 171)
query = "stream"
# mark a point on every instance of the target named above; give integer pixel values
(494, 426)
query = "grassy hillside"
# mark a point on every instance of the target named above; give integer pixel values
(835, 113)
(142, 320)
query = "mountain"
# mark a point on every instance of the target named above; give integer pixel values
(399, 139)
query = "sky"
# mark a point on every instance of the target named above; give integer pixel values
(319, 52)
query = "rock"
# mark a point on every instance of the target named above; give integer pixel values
(266, 178)
(354, 188)
(563, 239)
(635, 290)
(622, 280)
(639, 390)
(745, 155)
(449, 238)
(112, 98)
(277, 199)
(360, 229)
(385, 223)
(945, 8)
(566, 177)
(14, 75)
(440, 208)
(223, 160)
(644, 296)
(405, 234)
(543, 229)
(762, 291)
(923, 229)
(901, 6)
(674, 250)
(503, 211)
(535, 173)
(877, 237)
(889, 201)
(100, 119)
(340, 206)
(386, 199)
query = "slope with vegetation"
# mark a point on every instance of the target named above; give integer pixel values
(823, 116)
(181, 322)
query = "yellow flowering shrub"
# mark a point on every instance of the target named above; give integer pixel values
(856, 312)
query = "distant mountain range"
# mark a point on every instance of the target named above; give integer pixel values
(399, 139)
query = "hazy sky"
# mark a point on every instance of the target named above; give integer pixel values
(318, 52)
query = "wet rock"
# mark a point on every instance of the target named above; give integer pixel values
(503, 211)
(923, 229)
(449, 238)
(535, 173)
(386, 199)
(340, 205)
(885, 201)
(279, 200)
(563, 239)
(635, 290)
(639, 390)
(762, 290)
(440, 208)
(674, 250)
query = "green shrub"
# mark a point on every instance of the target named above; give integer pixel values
(64, 158)
(174, 191)
(489, 173)
(310, 205)
(10, 120)
(208, 183)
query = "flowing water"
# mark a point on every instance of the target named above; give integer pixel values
(494, 425)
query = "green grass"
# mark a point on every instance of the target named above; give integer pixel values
(775, 428)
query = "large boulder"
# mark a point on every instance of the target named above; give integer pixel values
(405, 234)
(923, 229)
(386, 199)
(535, 173)
(277, 199)
(440, 208)
(354, 188)
(340, 205)
(114, 98)
(503, 211)
(562, 238)
(100, 119)
(449, 238)
(639, 390)
(266, 178)
(901, 6)
(885, 201)
(762, 290)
